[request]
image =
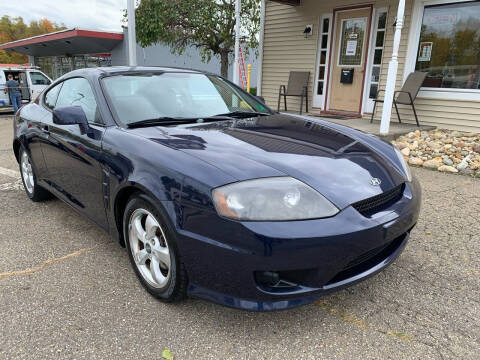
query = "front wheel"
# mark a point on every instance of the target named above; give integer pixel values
(153, 251)
(33, 190)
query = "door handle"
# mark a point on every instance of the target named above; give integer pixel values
(46, 129)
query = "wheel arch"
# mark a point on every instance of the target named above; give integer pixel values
(120, 203)
(16, 149)
(121, 200)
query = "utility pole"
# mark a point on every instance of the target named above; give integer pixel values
(132, 36)
(236, 64)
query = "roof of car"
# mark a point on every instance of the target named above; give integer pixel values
(129, 69)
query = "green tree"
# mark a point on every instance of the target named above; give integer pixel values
(208, 25)
(12, 29)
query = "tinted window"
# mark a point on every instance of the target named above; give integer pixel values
(78, 92)
(39, 79)
(51, 97)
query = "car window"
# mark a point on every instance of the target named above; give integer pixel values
(78, 92)
(51, 96)
(137, 97)
(38, 78)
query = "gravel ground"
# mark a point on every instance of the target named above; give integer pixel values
(67, 292)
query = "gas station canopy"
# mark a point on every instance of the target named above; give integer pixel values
(66, 43)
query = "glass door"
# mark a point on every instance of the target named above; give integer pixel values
(322, 61)
(376, 55)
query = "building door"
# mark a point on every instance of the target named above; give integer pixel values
(349, 60)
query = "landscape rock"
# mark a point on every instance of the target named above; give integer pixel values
(434, 149)
(411, 135)
(401, 145)
(432, 164)
(462, 165)
(447, 161)
(448, 169)
(467, 171)
(415, 161)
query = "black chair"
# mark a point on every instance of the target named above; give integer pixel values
(297, 87)
(406, 96)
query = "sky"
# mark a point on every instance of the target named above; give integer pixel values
(86, 14)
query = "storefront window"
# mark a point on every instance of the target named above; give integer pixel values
(449, 48)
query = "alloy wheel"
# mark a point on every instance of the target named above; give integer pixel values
(27, 173)
(149, 248)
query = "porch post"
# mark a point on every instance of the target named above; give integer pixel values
(392, 71)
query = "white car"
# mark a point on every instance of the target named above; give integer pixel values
(32, 81)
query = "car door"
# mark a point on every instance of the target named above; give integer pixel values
(38, 83)
(38, 132)
(73, 157)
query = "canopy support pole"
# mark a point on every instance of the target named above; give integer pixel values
(132, 36)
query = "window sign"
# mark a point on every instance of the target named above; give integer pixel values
(425, 52)
(353, 36)
(351, 49)
(449, 48)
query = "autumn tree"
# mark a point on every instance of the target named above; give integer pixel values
(12, 29)
(208, 25)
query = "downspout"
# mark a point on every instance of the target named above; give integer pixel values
(392, 71)
(260, 48)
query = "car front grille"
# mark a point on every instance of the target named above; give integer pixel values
(377, 203)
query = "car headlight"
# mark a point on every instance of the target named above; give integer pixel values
(406, 168)
(271, 199)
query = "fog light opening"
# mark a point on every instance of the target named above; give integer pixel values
(271, 279)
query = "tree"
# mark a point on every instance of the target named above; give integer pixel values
(12, 29)
(208, 25)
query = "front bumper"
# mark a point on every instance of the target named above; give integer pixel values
(321, 256)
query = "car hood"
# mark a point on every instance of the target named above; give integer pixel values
(339, 164)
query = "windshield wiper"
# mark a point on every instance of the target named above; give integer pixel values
(166, 120)
(243, 114)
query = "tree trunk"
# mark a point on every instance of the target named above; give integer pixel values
(224, 64)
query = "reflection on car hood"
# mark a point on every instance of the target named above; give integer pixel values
(336, 163)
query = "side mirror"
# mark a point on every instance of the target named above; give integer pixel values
(71, 115)
(260, 98)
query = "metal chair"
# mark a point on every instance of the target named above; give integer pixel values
(297, 87)
(405, 96)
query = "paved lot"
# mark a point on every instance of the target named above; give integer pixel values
(67, 291)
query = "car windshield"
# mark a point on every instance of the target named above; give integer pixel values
(138, 97)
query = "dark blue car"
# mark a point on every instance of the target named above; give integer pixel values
(213, 194)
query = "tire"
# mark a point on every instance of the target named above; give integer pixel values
(34, 191)
(153, 251)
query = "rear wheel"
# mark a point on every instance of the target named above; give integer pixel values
(33, 190)
(153, 251)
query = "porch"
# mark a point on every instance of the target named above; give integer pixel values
(379, 40)
(363, 124)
